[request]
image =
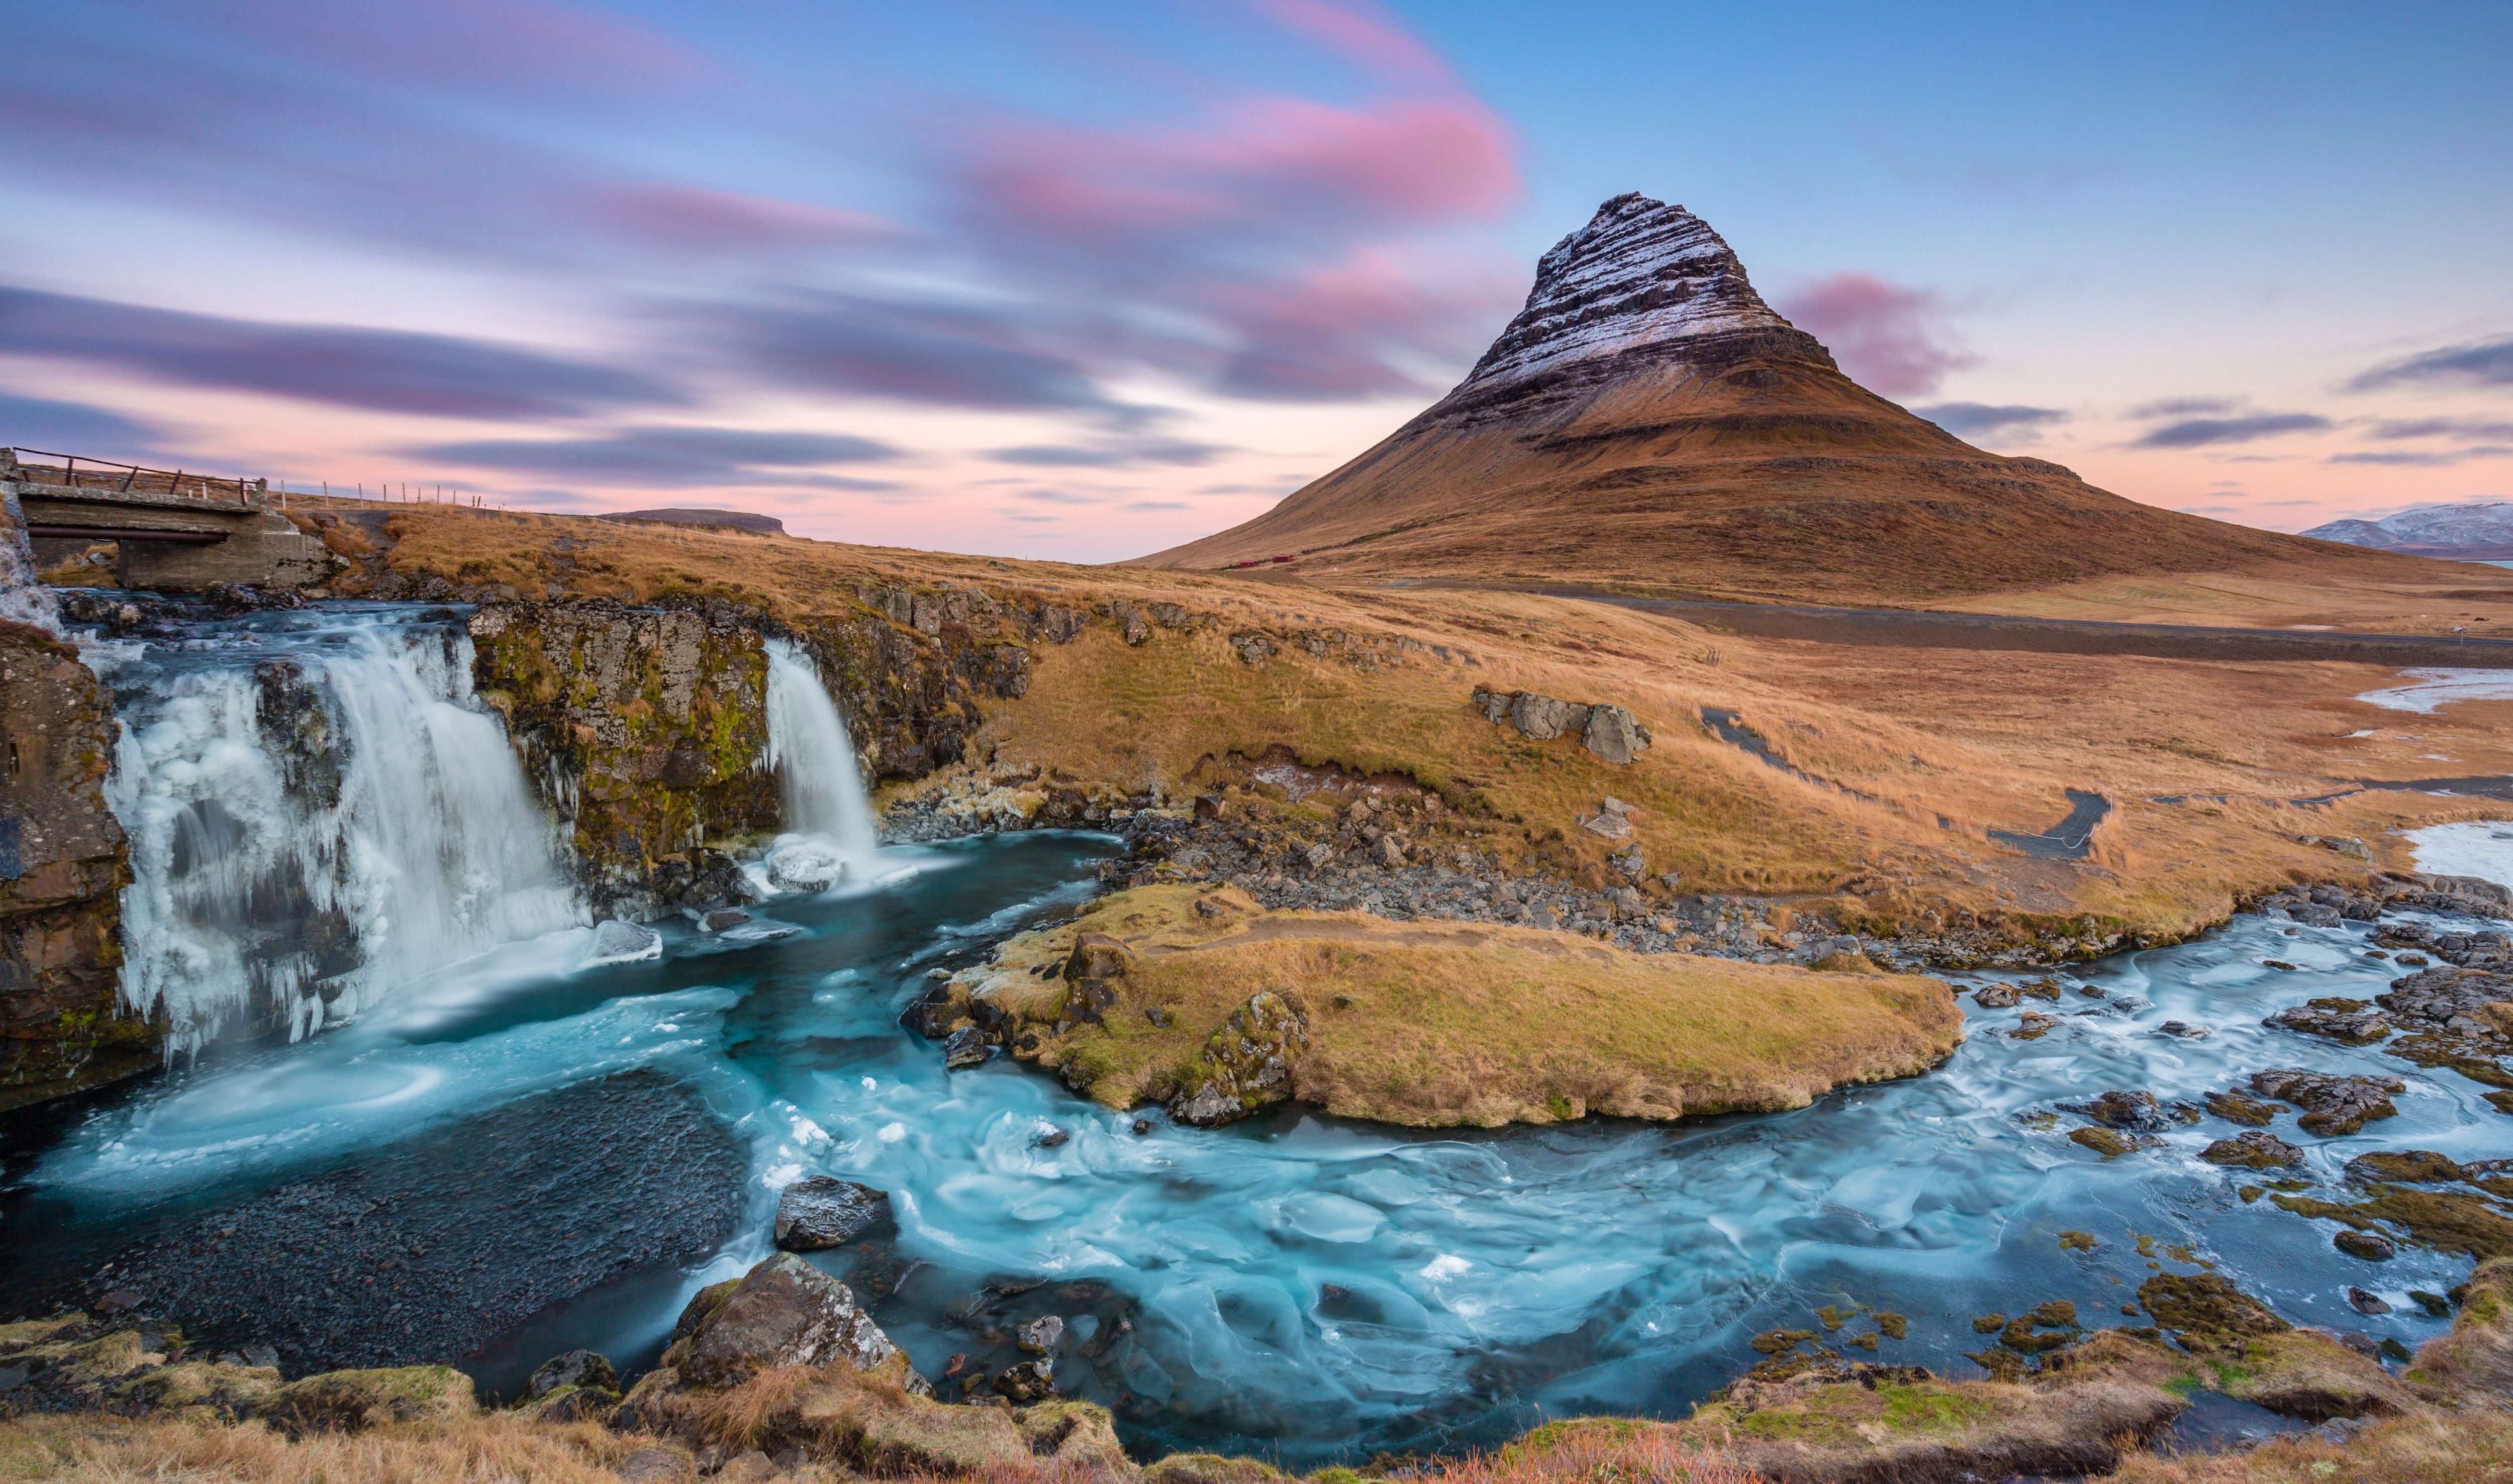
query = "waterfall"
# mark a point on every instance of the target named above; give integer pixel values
(318, 814)
(23, 599)
(808, 747)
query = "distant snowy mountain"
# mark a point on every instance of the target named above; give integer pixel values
(2481, 531)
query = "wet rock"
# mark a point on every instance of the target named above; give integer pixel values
(621, 942)
(1997, 996)
(1052, 1138)
(2415, 1167)
(2135, 1110)
(575, 1368)
(721, 918)
(2182, 1029)
(1246, 1064)
(2365, 1302)
(2206, 1312)
(2370, 1246)
(819, 1212)
(1031, 1381)
(2253, 1150)
(2033, 1026)
(2334, 1105)
(965, 1047)
(805, 865)
(1041, 1336)
(2349, 1023)
(2110, 1145)
(2237, 1107)
(783, 1312)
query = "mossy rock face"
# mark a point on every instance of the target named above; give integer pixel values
(349, 1401)
(2446, 1220)
(2414, 1167)
(2475, 1360)
(1211, 1469)
(227, 1391)
(2309, 1375)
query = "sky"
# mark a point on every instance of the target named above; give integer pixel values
(1083, 281)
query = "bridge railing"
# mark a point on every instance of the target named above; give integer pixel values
(70, 471)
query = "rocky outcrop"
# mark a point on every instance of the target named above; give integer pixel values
(821, 1211)
(1610, 732)
(647, 730)
(1246, 1064)
(63, 865)
(783, 1312)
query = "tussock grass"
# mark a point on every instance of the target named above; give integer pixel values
(2464, 1446)
(489, 1449)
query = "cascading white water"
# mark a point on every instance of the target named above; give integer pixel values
(317, 814)
(809, 748)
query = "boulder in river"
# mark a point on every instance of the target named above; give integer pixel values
(2134, 1110)
(2349, 1023)
(2252, 1149)
(783, 1312)
(2371, 1246)
(2334, 1105)
(621, 942)
(805, 865)
(819, 1212)
(1041, 1336)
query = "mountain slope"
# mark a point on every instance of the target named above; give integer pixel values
(1647, 421)
(2479, 529)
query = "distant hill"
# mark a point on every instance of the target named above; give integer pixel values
(2477, 530)
(1648, 422)
(737, 520)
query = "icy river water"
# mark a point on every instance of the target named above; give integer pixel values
(1296, 1286)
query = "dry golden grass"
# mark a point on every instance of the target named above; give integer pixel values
(1596, 1452)
(1981, 739)
(1443, 1023)
(494, 1448)
(2473, 1446)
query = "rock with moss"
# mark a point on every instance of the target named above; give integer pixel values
(2476, 1359)
(785, 1312)
(2252, 1149)
(1246, 1064)
(351, 1401)
(2333, 1105)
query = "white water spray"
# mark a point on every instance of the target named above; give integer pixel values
(808, 747)
(315, 822)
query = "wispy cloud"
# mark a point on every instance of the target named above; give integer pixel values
(73, 427)
(2481, 363)
(1965, 418)
(379, 370)
(675, 457)
(2203, 432)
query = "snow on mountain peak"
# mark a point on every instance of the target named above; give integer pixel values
(2480, 528)
(1640, 273)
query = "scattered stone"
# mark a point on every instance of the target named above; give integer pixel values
(2254, 1150)
(2334, 1105)
(721, 918)
(1630, 863)
(2436, 1306)
(2183, 1029)
(2110, 1145)
(1614, 734)
(2033, 1026)
(2206, 1312)
(1041, 1336)
(658, 1465)
(1996, 996)
(965, 1047)
(1052, 1138)
(819, 1212)
(2363, 1302)
(1607, 824)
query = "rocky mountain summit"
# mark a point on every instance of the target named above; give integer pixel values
(2476, 531)
(1642, 282)
(1648, 421)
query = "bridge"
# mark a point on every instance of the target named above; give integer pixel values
(172, 530)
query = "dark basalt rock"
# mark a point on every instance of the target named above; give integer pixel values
(1030, 1381)
(783, 1312)
(819, 1212)
(2370, 1246)
(575, 1368)
(2137, 1111)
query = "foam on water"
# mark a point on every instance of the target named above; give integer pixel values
(1312, 1290)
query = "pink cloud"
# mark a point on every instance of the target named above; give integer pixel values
(1888, 337)
(1269, 165)
(694, 217)
(1335, 331)
(1365, 35)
